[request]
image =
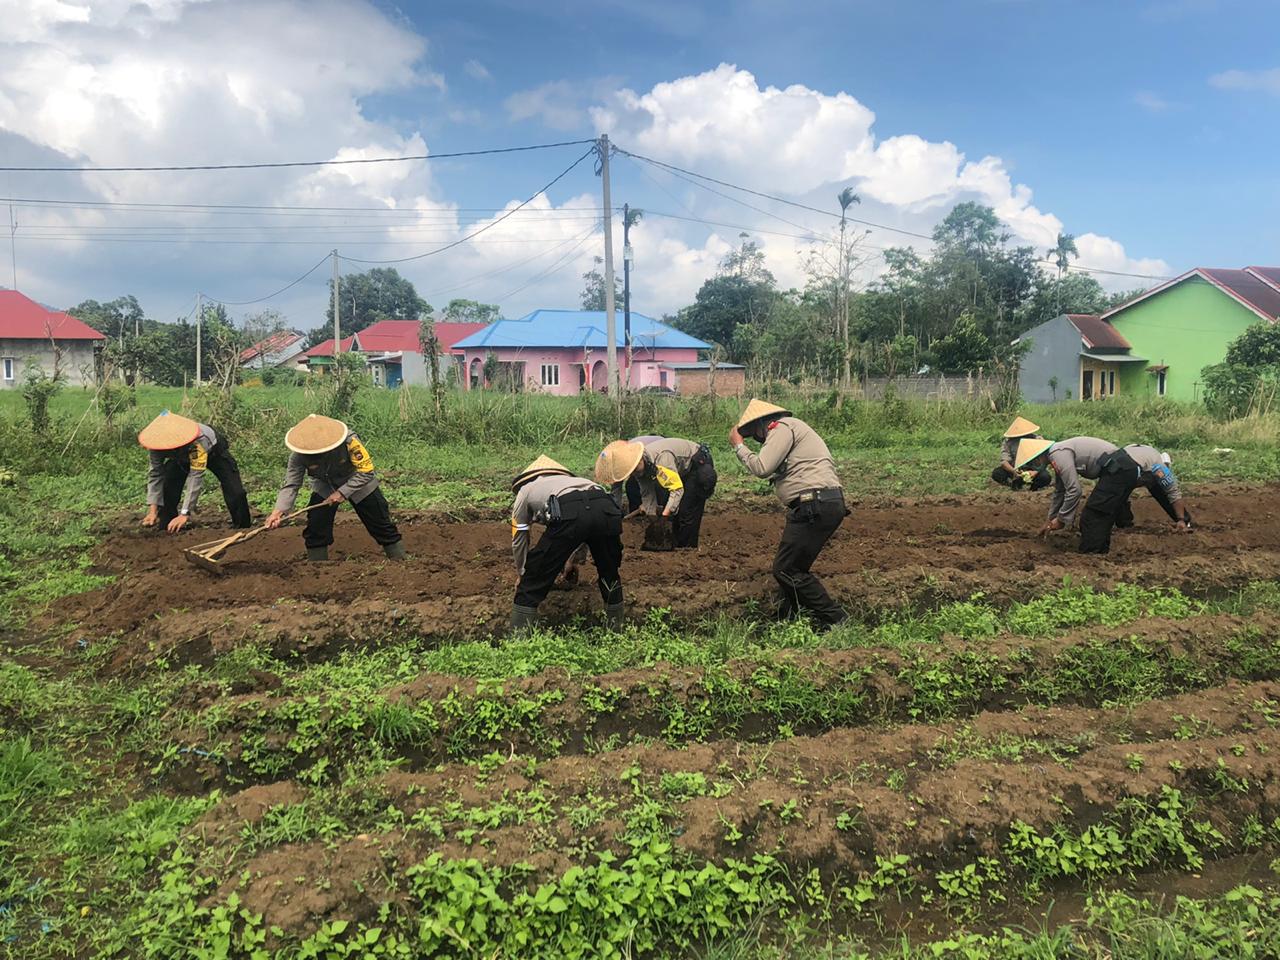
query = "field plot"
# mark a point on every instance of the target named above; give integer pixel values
(341, 759)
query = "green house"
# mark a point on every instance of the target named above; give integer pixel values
(1186, 324)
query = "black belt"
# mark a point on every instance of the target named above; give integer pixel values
(564, 506)
(822, 495)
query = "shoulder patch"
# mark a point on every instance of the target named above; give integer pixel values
(773, 424)
(360, 458)
(199, 457)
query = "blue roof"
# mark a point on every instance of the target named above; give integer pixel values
(578, 329)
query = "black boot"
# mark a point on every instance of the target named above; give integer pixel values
(317, 553)
(394, 551)
(523, 618)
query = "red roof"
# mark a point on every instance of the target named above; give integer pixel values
(401, 336)
(21, 318)
(1097, 333)
(325, 348)
(275, 343)
(1270, 274)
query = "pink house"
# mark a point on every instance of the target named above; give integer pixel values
(563, 352)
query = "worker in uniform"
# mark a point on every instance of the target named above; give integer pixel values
(340, 468)
(577, 513)
(1156, 474)
(181, 450)
(1114, 470)
(798, 464)
(635, 496)
(1008, 475)
(676, 477)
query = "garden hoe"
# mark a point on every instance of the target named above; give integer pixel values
(208, 555)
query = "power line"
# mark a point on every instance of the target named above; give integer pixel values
(550, 270)
(202, 207)
(430, 253)
(507, 269)
(293, 163)
(287, 286)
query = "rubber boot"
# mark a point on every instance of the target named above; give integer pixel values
(317, 553)
(523, 618)
(615, 616)
(394, 551)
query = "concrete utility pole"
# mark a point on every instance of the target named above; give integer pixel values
(13, 245)
(337, 327)
(199, 325)
(626, 283)
(611, 320)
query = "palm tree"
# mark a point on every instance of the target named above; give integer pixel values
(1061, 254)
(846, 199)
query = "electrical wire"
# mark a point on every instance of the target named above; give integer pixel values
(293, 163)
(266, 208)
(507, 269)
(287, 286)
(430, 253)
(550, 270)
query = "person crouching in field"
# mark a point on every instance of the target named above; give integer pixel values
(1118, 472)
(181, 450)
(577, 513)
(675, 476)
(797, 462)
(1007, 474)
(340, 469)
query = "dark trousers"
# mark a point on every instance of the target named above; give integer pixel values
(1108, 504)
(587, 517)
(372, 511)
(223, 466)
(809, 526)
(1014, 481)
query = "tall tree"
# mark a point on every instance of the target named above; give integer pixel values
(470, 311)
(1061, 254)
(364, 298)
(830, 266)
(593, 288)
(743, 292)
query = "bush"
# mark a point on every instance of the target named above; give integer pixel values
(1235, 390)
(38, 388)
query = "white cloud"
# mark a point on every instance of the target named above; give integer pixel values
(476, 70)
(1152, 102)
(559, 105)
(800, 142)
(1263, 81)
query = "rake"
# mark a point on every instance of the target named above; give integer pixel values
(207, 556)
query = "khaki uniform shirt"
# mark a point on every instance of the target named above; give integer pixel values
(530, 507)
(1155, 473)
(793, 458)
(197, 454)
(361, 481)
(670, 458)
(1073, 459)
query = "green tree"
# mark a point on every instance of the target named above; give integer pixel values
(743, 291)
(964, 349)
(470, 311)
(365, 298)
(593, 295)
(1258, 346)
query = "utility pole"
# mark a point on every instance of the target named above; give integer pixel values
(13, 245)
(337, 327)
(611, 320)
(199, 326)
(626, 283)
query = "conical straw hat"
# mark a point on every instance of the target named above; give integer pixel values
(759, 408)
(544, 466)
(169, 431)
(618, 461)
(1028, 450)
(315, 434)
(1021, 427)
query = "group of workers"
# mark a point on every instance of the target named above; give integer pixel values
(647, 475)
(1026, 459)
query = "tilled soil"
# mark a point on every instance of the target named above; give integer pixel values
(458, 579)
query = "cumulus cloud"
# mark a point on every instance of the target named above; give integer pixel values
(1152, 102)
(559, 105)
(1260, 81)
(800, 141)
(476, 70)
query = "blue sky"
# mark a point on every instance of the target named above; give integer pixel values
(1145, 128)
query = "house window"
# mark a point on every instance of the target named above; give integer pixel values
(1111, 382)
(551, 374)
(1160, 375)
(8, 367)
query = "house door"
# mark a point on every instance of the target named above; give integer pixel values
(600, 376)
(1086, 387)
(477, 371)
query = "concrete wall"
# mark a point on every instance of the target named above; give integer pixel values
(693, 383)
(76, 364)
(1055, 352)
(939, 387)
(1187, 327)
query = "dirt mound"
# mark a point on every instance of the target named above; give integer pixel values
(458, 578)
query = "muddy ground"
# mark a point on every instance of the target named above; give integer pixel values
(458, 579)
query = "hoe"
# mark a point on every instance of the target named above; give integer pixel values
(209, 555)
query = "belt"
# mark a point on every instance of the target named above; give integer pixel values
(822, 495)
(557, 502)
